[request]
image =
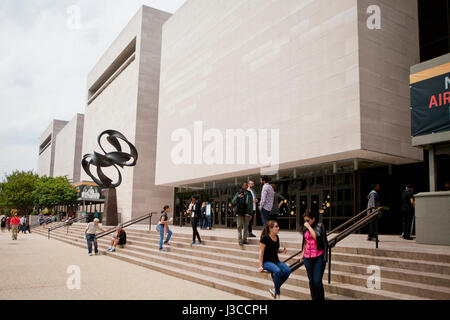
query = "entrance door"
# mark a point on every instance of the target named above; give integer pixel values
(311, 201)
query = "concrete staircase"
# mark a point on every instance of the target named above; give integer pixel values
(223, 264)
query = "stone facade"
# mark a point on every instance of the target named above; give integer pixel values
(334, 89)
(68, 149)
(123, 90)
(47, 148)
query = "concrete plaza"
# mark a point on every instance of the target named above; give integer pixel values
(35, 268)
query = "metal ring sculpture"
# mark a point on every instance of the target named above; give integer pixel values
(111, 159)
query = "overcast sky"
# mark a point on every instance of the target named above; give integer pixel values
(44, 62)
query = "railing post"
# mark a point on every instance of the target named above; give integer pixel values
(376, 231)
(150, 223)
(329, 265)
(48, 233)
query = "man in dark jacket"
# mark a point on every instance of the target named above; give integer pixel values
(243, 209)
(195, 210)
(408, 206)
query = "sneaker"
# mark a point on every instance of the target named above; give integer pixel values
(90, 254)
(272, 293)
(162, 250)
(166, 243)
(245, 242)
(201, 243)
(97, 253)
(251, 235)
(112, 250)
(241, 243)
(192, 243)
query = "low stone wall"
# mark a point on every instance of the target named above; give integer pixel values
(433, 218)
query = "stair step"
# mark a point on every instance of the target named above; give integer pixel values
(336, 289)
(416, 265)
(251, 251)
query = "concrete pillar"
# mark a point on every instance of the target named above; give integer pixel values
(355, 164)
(432, 169)
(432, 218)
(334, 167)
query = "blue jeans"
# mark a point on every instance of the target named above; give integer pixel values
(208, 222)
(202, 222)
(280, 273)
(315, 267)
(161, 235)
(265, 216)
(89, 238)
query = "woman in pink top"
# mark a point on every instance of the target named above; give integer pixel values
(314, 254)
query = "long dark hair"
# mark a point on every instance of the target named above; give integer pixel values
(311, 215)
(164, 209)
(266, 230)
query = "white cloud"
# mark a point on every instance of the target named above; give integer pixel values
(44, 65)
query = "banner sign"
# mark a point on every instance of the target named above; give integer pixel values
(89, 192)
(430, 102)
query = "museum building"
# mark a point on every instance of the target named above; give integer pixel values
(332, 84)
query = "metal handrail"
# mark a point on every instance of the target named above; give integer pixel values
(63, 224)
(343, 234)
(66, 223)
(349, 221)
(356, 227)
(40, 225)
(127, 224)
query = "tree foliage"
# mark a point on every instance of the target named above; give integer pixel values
(51, 191)
(16, 191)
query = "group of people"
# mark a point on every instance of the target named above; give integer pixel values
(118, 238)
(408, 206)
(15, 225)
(314, 255)
(314, 245)
(245, 204)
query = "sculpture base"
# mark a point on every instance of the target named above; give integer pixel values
(110, 216)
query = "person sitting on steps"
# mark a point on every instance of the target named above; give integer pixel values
(120, 238)
(269, 248)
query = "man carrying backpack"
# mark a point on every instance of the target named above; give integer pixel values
(243, 209)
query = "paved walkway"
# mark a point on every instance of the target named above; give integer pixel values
(36, 268)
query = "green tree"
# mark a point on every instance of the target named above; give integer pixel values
(51, 191)
(16, 191)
